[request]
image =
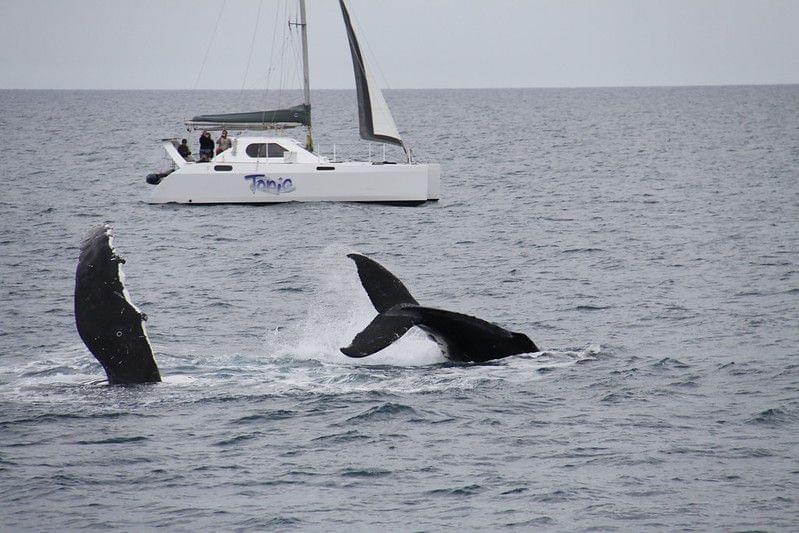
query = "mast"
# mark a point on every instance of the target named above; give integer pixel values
(306, 79)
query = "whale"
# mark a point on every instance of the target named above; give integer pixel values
(111, 327)
(461, 338)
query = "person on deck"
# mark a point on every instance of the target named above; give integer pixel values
(206, 146)
(223, 143)
(183, 149)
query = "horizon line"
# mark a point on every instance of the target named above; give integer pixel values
(641, 86)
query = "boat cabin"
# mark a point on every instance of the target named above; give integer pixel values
(254, 150)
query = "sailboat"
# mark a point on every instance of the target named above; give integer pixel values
(269, 169)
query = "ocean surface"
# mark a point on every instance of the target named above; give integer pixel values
(647, 239)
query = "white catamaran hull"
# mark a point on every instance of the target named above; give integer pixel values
(217, 182)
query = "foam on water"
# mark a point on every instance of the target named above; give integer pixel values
(338, 309)
(288, 371)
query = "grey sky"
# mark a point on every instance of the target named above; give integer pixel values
(160, 44)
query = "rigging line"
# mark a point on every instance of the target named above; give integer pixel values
(292, 70)
(252, 47)
(270, 68)
(210, 43)
(297, 61)
(283, 49)
(281, 54)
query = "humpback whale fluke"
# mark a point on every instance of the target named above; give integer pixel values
(461, 337)
(109, 324)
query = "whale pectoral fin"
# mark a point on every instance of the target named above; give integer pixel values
(126, 307)
(380, 333)
(107, 322)
(385, 290)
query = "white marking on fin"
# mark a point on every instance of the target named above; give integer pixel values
(121, 276)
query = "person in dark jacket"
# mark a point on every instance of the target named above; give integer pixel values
(183, 149)
(206, 146)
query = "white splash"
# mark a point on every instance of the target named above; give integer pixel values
(339, 310)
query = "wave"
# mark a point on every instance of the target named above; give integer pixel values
(383, 412)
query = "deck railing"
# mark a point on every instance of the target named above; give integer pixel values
(338, 152)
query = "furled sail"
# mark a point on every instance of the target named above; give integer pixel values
(299, 114)
(376, 122)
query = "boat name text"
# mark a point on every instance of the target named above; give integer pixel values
(260, 183)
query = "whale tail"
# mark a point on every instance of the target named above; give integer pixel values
(379, 334)
(460, 337)
(385, 291)
(108, 323)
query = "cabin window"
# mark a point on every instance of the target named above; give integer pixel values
(256, 150)
(275, 150)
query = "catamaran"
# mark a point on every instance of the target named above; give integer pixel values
(271, 169)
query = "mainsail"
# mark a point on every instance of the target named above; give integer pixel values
(299, 114)
(376, 122)
(274, 118)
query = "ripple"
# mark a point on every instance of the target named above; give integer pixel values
(517, 490)
(591, 308)
(385, 411)
(668, 362)
(365, 472)
(465, 490)
(582, 250)
(772, 417)
(238, 439)
(114, 440)
(347, 436)
(274, 415)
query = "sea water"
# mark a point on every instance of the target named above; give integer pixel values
(647, 239)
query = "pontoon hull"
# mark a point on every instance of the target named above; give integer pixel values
(218, 182)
